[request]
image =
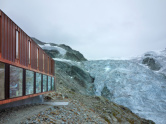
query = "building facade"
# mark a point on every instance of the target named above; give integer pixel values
(25, 69)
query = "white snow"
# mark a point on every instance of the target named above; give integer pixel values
(68, 61)
(107, 68)
(63, 60)
(56, 103)
(49, 47)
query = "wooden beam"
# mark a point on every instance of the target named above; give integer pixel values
(7, 80)
(21, 98)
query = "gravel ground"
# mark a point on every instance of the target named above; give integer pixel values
(73, 113)
(17, 114)
(80, 110)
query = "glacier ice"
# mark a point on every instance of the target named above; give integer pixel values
(131, 84)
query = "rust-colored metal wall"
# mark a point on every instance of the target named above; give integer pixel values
(8, 48)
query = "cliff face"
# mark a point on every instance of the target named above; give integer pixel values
(76, 80)
(61, 51)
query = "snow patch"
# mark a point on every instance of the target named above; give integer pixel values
(68, 61)
(107, 68)
(62, 60)
(49, 47)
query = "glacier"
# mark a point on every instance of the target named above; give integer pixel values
(132, 84)
(50, 47)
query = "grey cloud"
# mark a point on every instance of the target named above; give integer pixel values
(96, 28)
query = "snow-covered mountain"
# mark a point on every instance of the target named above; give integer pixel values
(155, 60)
(133, 83)
(61, 51)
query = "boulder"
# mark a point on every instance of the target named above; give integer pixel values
(151, 63)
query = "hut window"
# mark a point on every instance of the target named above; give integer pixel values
(38, 82)
(29, 46)
(37, 57)
(44, 83)
(49, 83)
(16, 81)
(2, 81)
(29, 82)
(17, 43)
(53, 85)
(43, 61)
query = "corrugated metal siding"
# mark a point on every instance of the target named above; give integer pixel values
(52, 67)
(45, 63)
(0, 33)
(13, 42)
(49, 66)
(40, 60)
(8, 48)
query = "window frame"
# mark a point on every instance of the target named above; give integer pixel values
(17, 42)
(37, 58)
(29, 52)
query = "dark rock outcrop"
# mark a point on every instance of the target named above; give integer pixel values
(53, 53)
(72, 54)
(38, 41)
(106, 93)
(151, 63)
(80, 81)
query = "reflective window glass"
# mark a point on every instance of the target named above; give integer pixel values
(44, 83)
(17, 44)
(16, 77)
(37, 57)
(53, 86)
(2, 81)
(29, 82)
(29, 52)
(38, 82)
(49, 83)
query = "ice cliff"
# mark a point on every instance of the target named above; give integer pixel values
(133, 84)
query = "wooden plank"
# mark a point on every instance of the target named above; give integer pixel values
(3, 35)
(10, 41)
(14, 42)
(8, 37)
(24, 81)
(0, 33)
(34, 82)
(7, 80)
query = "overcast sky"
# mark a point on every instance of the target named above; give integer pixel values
(96, 28)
